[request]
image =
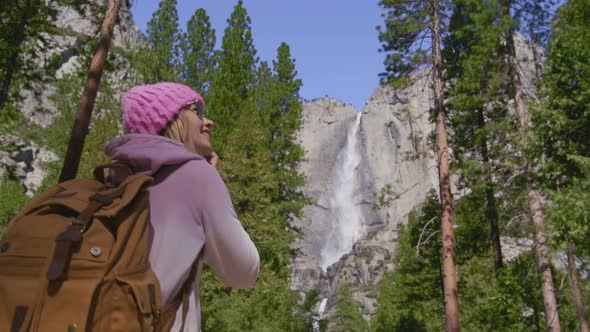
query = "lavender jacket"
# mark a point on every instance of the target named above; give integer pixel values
(190, 209)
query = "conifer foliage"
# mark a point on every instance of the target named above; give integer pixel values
(478, 118)
(232, 84)
(198, 46)
(257, 111)
(560, 127)
(347, 316)
(410, 297)
(160, 59)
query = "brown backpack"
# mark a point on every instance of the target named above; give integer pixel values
(76, 259)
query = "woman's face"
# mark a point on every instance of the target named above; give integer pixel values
(200, 129)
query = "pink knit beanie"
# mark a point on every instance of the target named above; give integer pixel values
(147, 109)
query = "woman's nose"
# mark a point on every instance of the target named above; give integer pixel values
(208, 123)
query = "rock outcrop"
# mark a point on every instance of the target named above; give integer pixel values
(23, 161)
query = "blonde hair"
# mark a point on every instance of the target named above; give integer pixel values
(178, 129)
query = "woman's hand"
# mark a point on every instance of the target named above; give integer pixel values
(213, 159)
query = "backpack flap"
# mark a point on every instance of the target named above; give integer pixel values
(76, 198)
(75, 195)
(124, 194)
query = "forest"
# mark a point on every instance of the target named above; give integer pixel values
(521, 155)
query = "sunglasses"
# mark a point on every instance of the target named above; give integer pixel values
(200, 111)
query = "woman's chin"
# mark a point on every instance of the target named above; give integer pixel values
(205, 151)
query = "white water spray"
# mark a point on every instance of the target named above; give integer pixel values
(316, 320)
(347, 226)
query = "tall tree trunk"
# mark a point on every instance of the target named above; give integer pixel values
(534, 197)
(448, 237)
(576, 289)
(491, 211)
(80, 129)
(492, 217)
(542, 259)
(7, 79)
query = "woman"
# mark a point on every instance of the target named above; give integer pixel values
(169, 138)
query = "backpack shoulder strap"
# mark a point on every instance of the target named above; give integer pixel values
(182, 297)
(99, 172)
(185, 291)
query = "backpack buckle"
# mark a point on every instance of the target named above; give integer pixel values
(82, 225)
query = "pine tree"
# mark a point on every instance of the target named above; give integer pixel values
(159, 60)
(347, 316)
(262, 94)
(507, 300)
(285, 121)
(198, 52)
(560, 127)
(230, 88)
(560, 123)
(477, 106)
(412, 39)
(568, 219)
(532, 189)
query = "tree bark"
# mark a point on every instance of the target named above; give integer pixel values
(534, 197)
(492, 216)
(448, 237)
(80, 129)
(491, 211)
(543, 263)
(576, 289)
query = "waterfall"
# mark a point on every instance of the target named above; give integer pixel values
(315, 325)
(347, 224)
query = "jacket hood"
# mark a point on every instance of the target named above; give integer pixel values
(146, 154)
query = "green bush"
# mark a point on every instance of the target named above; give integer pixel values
(12, 198)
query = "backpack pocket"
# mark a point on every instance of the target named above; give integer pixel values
(132, 304)
(21, 268)
(17, 299)
(29, 300)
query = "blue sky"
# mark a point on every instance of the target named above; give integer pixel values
(334, 42)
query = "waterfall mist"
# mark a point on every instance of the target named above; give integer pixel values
(346, 226)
